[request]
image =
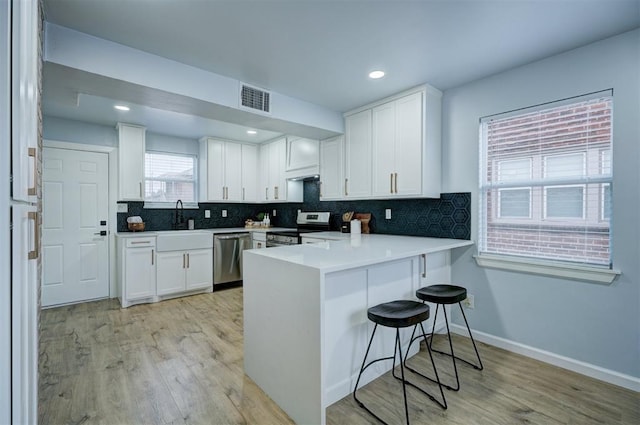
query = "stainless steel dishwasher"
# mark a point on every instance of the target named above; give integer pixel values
(227, 256)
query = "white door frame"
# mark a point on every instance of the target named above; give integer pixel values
(113, 189)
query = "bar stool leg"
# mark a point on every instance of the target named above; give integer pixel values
(404, 382)
(480, 367)
(363, 367)
(442, 403)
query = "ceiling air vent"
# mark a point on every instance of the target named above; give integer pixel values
(253, 98)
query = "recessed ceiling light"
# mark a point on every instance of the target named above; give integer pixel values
(252, 132)
(121, 107)
(376, 74)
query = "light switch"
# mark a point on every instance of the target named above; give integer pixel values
(387, 213)
(274, 213)
(224, 213)
(123, 208)
(207, 213)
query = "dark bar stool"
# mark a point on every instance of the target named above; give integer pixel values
(398, 314)
(442, 295)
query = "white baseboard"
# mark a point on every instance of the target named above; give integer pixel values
(593, 371)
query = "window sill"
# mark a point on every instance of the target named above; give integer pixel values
(169, 205)
(548, 268)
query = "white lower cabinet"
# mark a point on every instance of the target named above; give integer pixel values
(146, 275)
(136, 270)
(180, 271)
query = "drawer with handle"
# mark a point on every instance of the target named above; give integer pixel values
(140, 242)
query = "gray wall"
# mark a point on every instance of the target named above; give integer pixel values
(65, 130)
(592, 323)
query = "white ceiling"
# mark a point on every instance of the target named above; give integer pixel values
(321, 51)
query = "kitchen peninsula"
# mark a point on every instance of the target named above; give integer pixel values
(305, 312)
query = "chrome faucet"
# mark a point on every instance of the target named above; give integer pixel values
(178, 222)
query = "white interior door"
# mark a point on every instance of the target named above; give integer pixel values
(75, 262)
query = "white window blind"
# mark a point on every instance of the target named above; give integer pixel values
(169, 177)
(546, 181)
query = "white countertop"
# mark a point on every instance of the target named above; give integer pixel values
(212, 231)
(356, 252)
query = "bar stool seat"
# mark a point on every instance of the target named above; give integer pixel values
(443, 294)
(398, 314)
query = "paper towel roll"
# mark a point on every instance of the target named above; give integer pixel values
(356, 227)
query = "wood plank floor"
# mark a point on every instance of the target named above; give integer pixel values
(180, 362)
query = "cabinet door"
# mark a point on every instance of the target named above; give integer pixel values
(215, 170)
(408, 145)
(140, 273)
(394, 280)
(262, 185)
(331, 168)
(383, 146)
(131, 149)
(24, 313)
(233, 171)
(199, 268)
(171, 272)
(24, 99)
(277, 162)
(249, 173)
(358, 155)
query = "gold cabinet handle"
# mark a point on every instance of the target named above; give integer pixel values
(32, 215)
(276, 193)
(140, 188)
(390, 182)
(395, 175)
(424, 263)
(346, 193)
(184, 261)
(243, 193)
(152, 255)
(266, 193)
(188, 261)
(32, 190)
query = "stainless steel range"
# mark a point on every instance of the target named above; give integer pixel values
(306, 222)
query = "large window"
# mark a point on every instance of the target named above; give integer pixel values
(546, 181)
(169, 177)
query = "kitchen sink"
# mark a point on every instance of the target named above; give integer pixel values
(179, 240)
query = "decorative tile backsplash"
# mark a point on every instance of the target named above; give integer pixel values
(447, 217)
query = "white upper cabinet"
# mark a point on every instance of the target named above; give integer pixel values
(357, 177)
(131, 150)
(249, 173)
(272, 183)
(392, 147)
(302, 157)
(222, 171)
(331, 168)
(397, 147)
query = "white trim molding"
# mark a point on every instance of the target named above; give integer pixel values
(548, 268)
(583, 368)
